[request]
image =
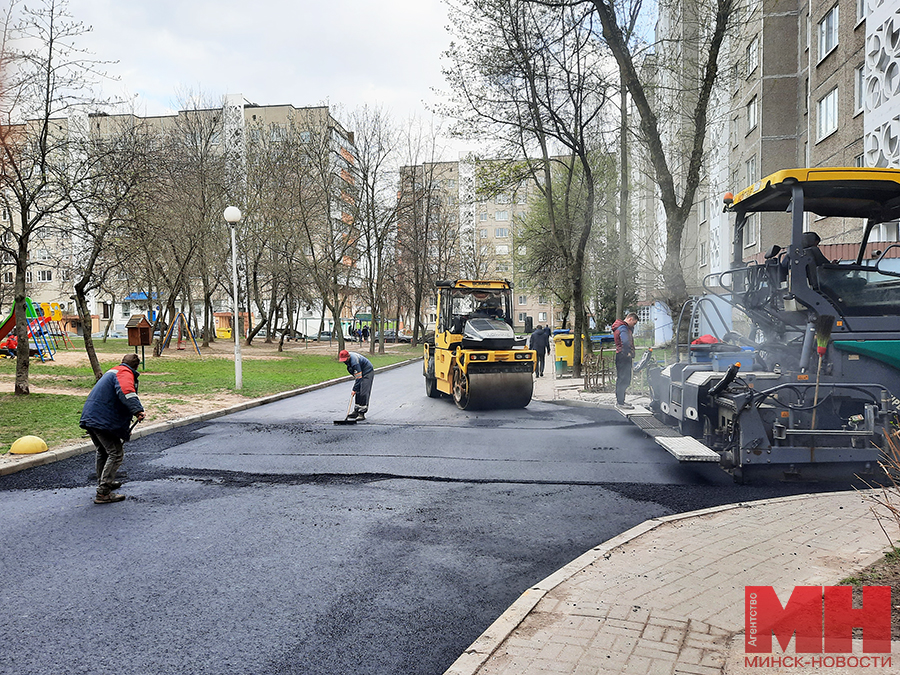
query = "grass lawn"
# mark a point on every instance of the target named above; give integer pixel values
(173, 381)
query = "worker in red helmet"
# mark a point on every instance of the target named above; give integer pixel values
(363, 373)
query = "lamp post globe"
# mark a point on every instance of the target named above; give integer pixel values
(232, 216)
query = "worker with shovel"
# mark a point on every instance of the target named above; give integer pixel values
(107, 418)
(363, 373)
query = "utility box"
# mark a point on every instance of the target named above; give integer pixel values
(140, 333)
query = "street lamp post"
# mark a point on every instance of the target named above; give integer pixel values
(233, 216)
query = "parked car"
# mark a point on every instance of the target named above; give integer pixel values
(389, 336)
(403, 336)
(112, 334)
(325, 335)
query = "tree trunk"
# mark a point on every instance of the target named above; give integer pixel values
(85, 316)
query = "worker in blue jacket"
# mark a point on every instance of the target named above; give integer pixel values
(363, 373)
(106, 416)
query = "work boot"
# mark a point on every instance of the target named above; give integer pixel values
(108, 498)
(354, 415)
(360, 416)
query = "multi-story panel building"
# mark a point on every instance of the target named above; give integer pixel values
(804, 83)
(230, 129)
(487, 222)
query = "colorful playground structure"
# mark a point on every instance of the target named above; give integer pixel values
(43, 328)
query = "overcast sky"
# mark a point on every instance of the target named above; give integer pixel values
(303, 52)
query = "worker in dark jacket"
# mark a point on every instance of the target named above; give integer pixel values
(540, 343)
(623, 334)
(363, 373)
(107, 418)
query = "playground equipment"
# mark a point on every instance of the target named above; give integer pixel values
(38, 336)
(182, 323)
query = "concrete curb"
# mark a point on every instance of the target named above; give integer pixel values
(488, 642)
(57, 454)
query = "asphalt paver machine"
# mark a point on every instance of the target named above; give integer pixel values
(803, 381)
(474, 355)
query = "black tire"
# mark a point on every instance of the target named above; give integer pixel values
(431, 390)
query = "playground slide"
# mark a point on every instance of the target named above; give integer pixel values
(9, 323)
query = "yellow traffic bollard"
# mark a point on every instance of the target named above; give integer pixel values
(28, 445)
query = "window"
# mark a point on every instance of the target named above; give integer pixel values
(860, 160)
(522, 317)
(861, 11)
(502, 199)
(750, 167)
(482, 234)
(107, 310)
(542, 317)
(885, 232)
(542, 299)
(523, 299)
(502, 249)
(752, 114)
(828, 33)
(482, 216)
(859, 88)
(45, 275)
(702, 254)
(501, 232)
(827, 112)
(701, 209)
(501, 215)
(29, 277)
(752, 55)
(751, 227)
(8, 277)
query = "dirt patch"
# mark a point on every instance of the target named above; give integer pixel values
(885, 572)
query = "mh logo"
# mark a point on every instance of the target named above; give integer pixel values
(821, 617)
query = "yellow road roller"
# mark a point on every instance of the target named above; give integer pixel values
(474, 355)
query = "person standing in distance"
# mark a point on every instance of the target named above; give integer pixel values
(540, 343)
(623, 334)
(107, 417)
(363, 373)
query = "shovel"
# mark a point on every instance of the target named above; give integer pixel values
(347, 419)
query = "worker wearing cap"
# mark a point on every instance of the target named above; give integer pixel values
(363, 373)
(107, 417)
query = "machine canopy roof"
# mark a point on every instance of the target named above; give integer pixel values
(872, 194)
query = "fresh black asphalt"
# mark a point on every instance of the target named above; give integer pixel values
(272, 541)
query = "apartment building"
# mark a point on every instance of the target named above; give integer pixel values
(802, 83)
(53, 257)
(456, 196)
